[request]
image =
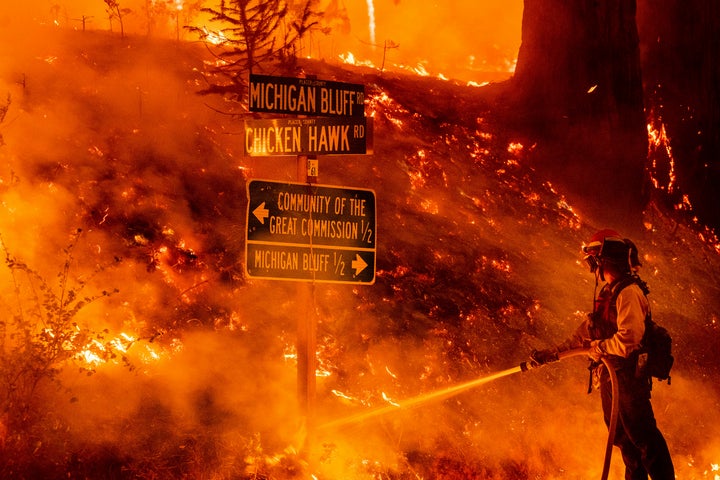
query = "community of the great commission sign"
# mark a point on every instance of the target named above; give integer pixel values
(310, 232)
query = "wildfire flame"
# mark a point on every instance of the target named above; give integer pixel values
(371, 20)
(660, 142)
(664, 178)
(215, 37)
(97, 353)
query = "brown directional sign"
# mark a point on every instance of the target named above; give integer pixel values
(318, 264)
(298, 231)
(308, 136)
(304, 96)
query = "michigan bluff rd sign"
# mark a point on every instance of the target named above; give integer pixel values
(304, 96)
(298, 231)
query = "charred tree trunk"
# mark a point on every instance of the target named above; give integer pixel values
(681, 64)
(577, 90)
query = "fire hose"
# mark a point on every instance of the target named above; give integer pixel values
(615, 412)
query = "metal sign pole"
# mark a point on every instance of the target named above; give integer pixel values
(306, 337)
(306, 348)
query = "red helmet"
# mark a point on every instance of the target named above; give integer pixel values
(609, 246)
(594, 246)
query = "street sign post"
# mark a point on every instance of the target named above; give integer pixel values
(304, 231)
(320, 233)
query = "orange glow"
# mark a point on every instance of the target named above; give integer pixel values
(214, 37)
(428, 40)
(194, 364)
(515, 148)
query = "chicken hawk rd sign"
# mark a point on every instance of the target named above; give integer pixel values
(307, 136)
(297, 231)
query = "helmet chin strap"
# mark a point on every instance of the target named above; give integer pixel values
(597, 276)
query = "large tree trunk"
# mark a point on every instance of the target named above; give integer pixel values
(681, 69)
(577, 89)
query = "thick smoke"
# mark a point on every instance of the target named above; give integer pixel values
(419, 36)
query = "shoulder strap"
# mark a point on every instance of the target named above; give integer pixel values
(627, 281)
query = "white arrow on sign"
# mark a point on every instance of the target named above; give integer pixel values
(261, 213)
(358, 264)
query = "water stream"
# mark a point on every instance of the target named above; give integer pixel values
(419, 399)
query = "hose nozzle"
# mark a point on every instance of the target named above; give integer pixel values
(543, 357)
(525, 366)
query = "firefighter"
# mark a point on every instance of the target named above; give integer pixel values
(614, 331)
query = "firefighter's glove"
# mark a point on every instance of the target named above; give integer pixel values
(596, 350)
(541, 357)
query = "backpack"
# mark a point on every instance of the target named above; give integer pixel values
(657, 347)
(655, 359)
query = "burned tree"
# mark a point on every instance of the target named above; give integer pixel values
(593, 78)
(114, 11)
(577, 89)
(681, 74)
(251, 33)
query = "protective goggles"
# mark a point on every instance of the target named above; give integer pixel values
(592, 254)
(593, 262)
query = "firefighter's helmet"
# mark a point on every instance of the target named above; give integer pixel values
(609, 247)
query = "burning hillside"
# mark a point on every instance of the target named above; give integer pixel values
(134, 345)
